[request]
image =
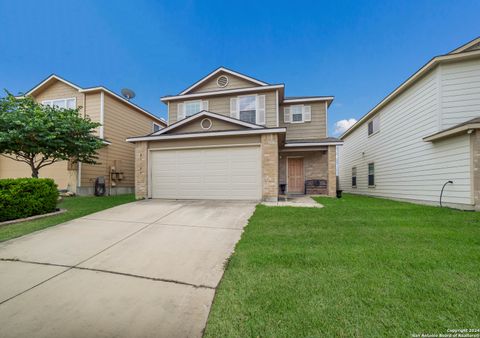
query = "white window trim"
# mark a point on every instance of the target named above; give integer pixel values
(46, 102)
(156, 124)
(191, 101)
(256, 108)
(291, 113)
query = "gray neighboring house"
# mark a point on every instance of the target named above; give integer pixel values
(422, 135)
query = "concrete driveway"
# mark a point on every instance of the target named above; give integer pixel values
(144, 269)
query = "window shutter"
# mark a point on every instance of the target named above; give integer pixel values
(180, 111)
(205, 105)
(286, 115)
(234, 108)
(260, 109)
(307, 113)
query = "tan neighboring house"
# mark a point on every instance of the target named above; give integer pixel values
(423, 135)
(119, 117)
(231, 136)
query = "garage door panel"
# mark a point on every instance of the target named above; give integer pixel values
(213, 173)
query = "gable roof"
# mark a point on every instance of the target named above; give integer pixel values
(55, 77)
(226, 70)
(466, 46)
(208, 114)
(452, 56)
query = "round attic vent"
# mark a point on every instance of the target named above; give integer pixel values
(222, 81)
(206, 124)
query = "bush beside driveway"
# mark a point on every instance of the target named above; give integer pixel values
(76, 207)
(360, 266)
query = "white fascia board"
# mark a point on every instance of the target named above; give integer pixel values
(208, 134)
(310, 99)
(209, 114)
(293, 145)
(221, 92)
(410, 81)
(87, 90)
(222, 69)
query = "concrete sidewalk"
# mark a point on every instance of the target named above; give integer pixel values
(144, 269)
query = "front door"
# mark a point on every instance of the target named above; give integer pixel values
(295, 179)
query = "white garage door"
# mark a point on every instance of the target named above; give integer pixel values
(207, 173)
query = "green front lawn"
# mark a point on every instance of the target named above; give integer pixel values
(76, 207)
(361, 267)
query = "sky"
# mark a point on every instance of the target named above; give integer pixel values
(357, 51)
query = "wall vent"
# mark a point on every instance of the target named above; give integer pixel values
(222, 81)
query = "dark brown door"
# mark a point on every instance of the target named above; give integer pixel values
(296, 180)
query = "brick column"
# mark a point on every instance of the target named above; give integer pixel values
(332, 171)
(141, 170)
(269, 167)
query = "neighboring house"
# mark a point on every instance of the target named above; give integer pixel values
(423, 134)
(119, 117)
(231, 136)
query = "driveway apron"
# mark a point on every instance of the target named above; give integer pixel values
(144, 269)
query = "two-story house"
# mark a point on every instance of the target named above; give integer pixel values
(231, 136)
(422, 136)
(119, 119)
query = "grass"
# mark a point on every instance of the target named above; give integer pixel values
(359, 267)
(76, 207)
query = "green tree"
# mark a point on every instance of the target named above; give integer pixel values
(40, 135)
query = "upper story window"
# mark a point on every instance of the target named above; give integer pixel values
(248, 108)
(61, 103)
(374, 125)
(189, 108)
(156, 127)
(371, 174)
(297, 114)
(354, 177)
(192, 107)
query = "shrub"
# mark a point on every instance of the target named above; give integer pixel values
(24, 197)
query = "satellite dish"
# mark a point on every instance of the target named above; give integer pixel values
(128, 93)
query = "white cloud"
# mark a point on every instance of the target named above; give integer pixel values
(342, 125)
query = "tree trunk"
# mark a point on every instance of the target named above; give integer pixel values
(34, 169)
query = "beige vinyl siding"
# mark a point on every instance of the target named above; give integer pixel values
(206, 142)
(221, 105)
(60, 90)
(460, 92)
(58, 171)
(314, 129)
(406, 167)
(233, 83)
(120, 122)
(194, 126)
(92, 108)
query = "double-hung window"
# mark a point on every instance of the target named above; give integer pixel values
(192, 107)
(247, 109)
(371, 174)
(61, 103)
(297, 114)
(189, 108)
(354, 177)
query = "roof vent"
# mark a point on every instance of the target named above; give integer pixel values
(222, 81)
